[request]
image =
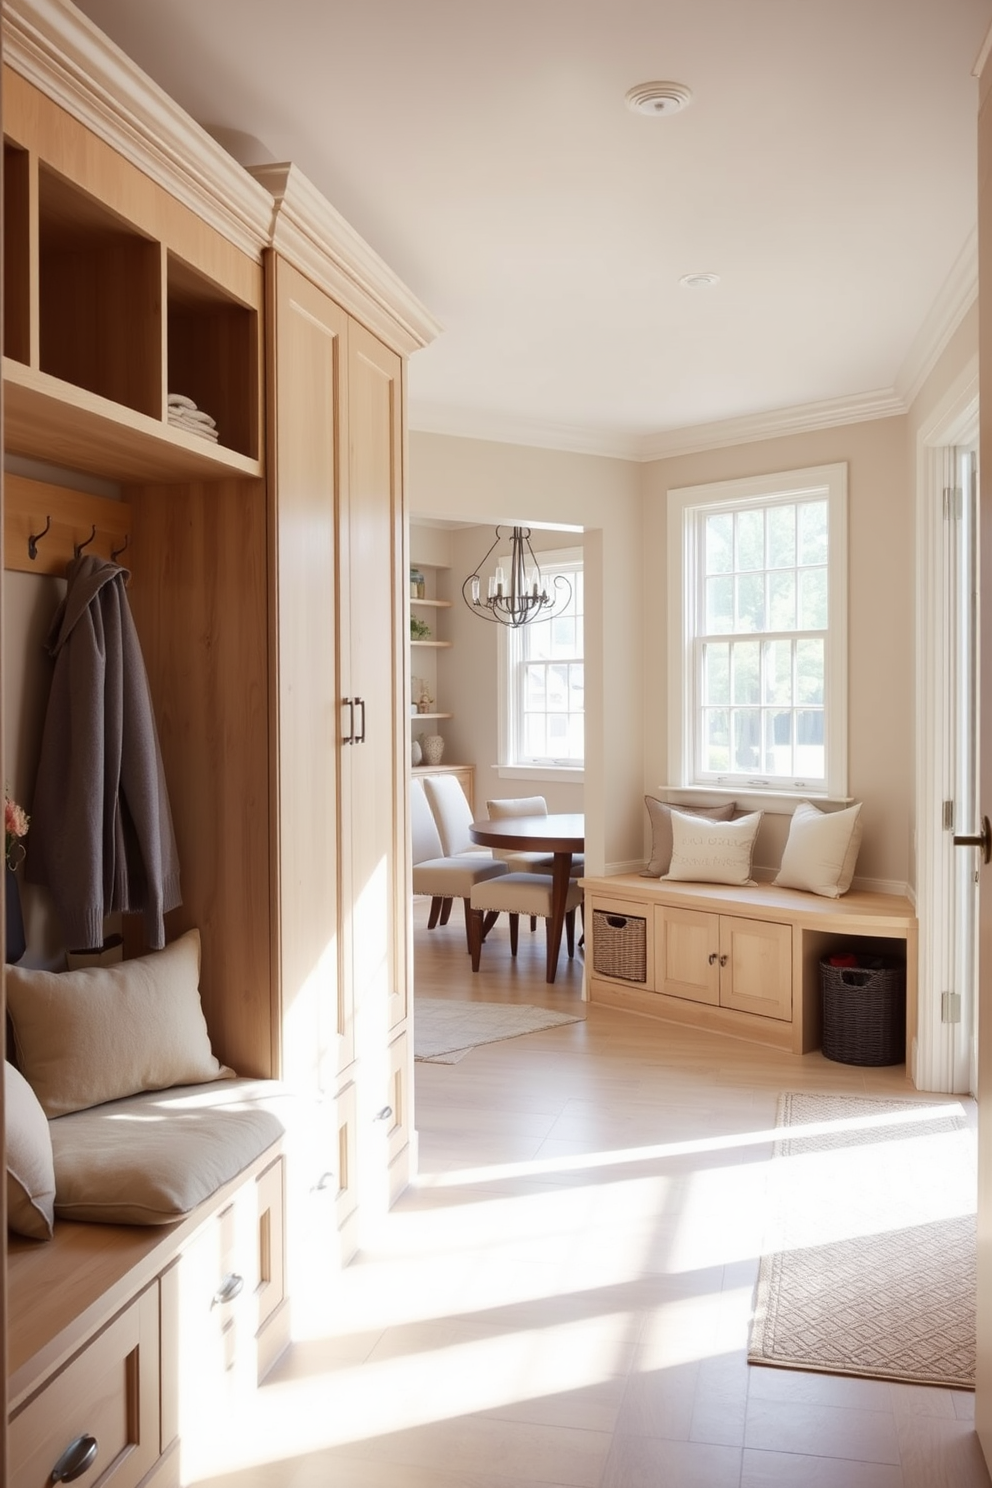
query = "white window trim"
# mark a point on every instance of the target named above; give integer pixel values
(573, 774)
(683, 504)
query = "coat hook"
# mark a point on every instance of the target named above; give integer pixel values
(33, 539)
(77, 548)
(115, 553)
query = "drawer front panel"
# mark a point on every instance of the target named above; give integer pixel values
(109, 1391)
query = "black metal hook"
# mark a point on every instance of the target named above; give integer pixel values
(115, 553)
(33, 538)
(77, 548)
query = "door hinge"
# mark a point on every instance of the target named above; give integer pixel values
(948, 816)
(952, 503)
(950, 1007)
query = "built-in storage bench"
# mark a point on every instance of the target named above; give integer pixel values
(744, 961)
(100, 1316)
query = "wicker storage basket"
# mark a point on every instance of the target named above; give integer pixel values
(620, 946)
(864, 1013)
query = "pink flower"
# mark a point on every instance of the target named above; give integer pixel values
(16, 822)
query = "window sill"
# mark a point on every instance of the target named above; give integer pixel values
(567, 774)
(781, 803)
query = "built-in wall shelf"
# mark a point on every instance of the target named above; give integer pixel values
(434, 604)
(438, 645)
(418, 717)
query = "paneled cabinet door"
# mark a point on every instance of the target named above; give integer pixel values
(756, 967)
(307, 413)
(687, 954)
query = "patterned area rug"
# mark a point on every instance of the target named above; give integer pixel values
(444, 1031)
(870, 1260)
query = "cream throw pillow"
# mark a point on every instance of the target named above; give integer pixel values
(30, 1167)
(94, 1035)
(712, 851)
(660, 817)
(821, 850)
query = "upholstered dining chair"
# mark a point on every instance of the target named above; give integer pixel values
(453, 816)
(517, 894)
(442, 877)
(528, 862)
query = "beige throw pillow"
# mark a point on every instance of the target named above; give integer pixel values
(660, 816)
(94, 1035)
(821, 850)
(30, 1168)
(712, 851)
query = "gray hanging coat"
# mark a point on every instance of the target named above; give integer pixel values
(101, 827)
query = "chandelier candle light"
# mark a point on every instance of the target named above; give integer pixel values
(527, 598)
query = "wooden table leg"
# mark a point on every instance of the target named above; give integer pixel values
(559, 898)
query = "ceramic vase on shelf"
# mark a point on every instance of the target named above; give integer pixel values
(15, 944)
(432, 748)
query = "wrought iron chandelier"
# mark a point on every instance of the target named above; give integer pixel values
(525, 597)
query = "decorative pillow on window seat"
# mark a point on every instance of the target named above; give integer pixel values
(705, 851)
(821, 851)
(30, 1169)
(94, 1035)
(660, 816)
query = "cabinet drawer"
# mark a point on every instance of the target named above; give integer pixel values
(110, 1392)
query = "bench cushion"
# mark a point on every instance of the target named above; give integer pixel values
(152, 1158)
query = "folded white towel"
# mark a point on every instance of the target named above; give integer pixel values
(179, 421)
(180, 400)
(197, 416)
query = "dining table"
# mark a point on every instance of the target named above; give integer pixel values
(560, 835)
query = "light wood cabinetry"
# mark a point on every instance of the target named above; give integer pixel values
(269, 590)
(744, 961)
(724, 961)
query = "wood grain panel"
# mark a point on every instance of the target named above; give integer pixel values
(27, 506)
(683, 966)
(199, 597)
(19, 177)
(308, 358)
(36, 122)
(757, 974)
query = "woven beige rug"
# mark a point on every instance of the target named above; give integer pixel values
(445, 1030)
(870, 1251)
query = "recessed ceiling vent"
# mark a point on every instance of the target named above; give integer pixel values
(658, 99)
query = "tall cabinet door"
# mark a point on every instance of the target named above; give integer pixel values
(309, 400)
(373, 764)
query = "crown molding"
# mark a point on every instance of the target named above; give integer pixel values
(956, 297)
(494, 428)
(694, 439)
(317, 240)
(54, 46)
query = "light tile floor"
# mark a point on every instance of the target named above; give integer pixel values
(563, 1299)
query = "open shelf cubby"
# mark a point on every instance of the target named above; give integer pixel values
(99, 297)
(213, 354)
(16, 253)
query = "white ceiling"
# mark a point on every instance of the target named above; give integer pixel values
(825, 169)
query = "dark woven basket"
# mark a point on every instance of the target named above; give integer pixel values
(619, 946)
(864, 1013)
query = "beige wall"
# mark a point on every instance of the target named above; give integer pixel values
(881, 615)
(481, 482)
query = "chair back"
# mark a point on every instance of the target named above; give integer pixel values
(424, 835)
(516, 806)
(452, 813)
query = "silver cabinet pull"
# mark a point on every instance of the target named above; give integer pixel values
(361, 736)
(77, 1458)
(349, 737)
(384, 1114)
(325, 1181)
(228, 1290)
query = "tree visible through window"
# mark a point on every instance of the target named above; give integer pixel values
(546, 678)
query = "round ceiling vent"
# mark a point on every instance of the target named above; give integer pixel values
(699, 281)
(658, 99)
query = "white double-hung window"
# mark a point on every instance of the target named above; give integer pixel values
(543, 689)
(758, 628)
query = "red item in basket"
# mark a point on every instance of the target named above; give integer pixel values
(849, 960)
